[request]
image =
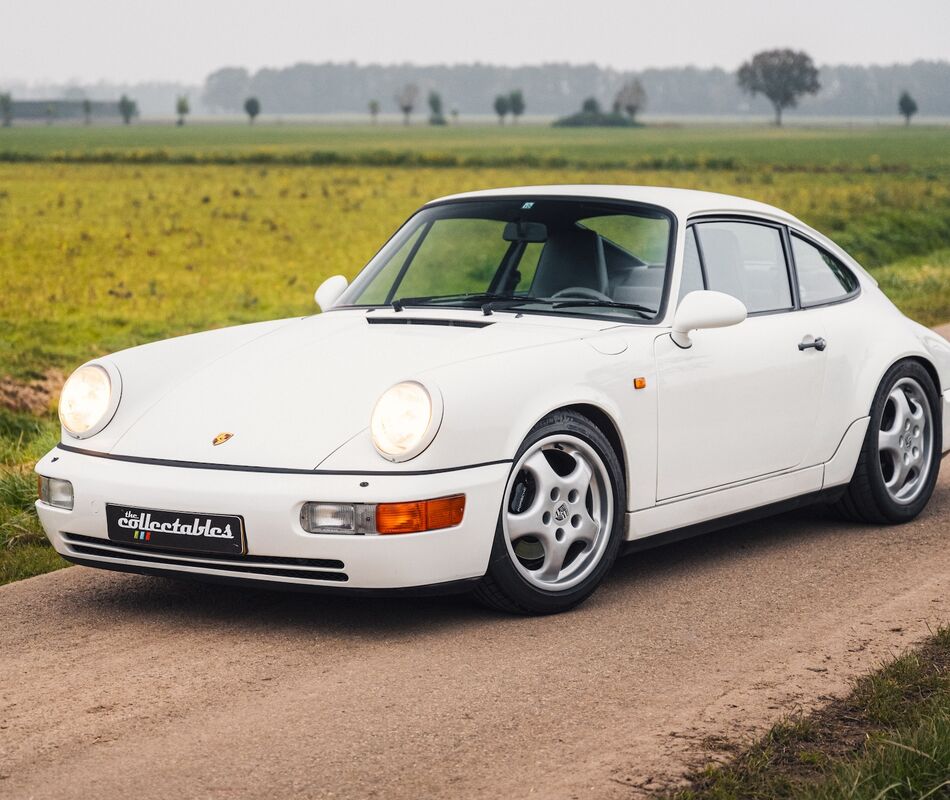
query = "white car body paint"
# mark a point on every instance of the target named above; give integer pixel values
(739, 420)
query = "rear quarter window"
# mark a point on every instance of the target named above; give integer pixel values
(822, 278)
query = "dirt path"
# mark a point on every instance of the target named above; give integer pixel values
(120, 686)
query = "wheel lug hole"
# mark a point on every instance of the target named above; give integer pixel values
(576, 521)
(907, 426)
(916, 452)
(555, 494)
(572, 496)
(559, 534)
(546, 518)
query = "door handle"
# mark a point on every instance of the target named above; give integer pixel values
(818, 344)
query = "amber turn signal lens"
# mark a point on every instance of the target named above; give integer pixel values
(639, 383)
(421, 515)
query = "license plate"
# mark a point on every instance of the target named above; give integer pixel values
(175, 530)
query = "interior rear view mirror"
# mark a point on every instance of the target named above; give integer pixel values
(531, 232)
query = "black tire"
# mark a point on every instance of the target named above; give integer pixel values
(866, 498)
(504, 588)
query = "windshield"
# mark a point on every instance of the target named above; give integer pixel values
(543, 255)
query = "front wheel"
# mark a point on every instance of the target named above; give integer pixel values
(897, 469)
(561, 520)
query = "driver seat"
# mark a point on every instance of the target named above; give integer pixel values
(571, 258)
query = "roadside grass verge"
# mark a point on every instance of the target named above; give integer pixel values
(889, 739)
(919, 286)
(24, 549)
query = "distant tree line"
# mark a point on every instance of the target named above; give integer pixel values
(560, 88)
(779, 78)
(53, 110)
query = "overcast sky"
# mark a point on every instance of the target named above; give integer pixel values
(184, 40)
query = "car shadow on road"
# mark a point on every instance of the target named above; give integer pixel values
(131, 597)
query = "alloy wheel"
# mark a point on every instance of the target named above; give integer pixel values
(905, 441)
(558, 512)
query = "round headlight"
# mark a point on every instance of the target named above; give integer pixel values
(89, 400)
(405, 421)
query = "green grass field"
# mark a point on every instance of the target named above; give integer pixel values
(923, 149)
(99, 256)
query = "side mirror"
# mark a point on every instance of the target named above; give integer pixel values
(329, 292)
(706, 309)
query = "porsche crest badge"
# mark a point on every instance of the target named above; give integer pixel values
(221, 438)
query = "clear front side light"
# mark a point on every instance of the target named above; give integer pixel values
(338, 518)
(56, 492)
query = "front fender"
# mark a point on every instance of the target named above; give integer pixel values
(491, 403)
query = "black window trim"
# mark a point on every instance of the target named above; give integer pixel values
(410, 257)
(787, 231)
(691, 231)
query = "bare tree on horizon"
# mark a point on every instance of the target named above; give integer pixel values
(631, 99)
(406, 100)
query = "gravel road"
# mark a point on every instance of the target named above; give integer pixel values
(117, 686)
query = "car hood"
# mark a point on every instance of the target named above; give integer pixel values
(294, 395)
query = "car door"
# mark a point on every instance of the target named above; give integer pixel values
(742, 402)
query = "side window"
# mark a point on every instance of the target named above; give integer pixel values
(692, 280)
(747, 261)
(821, 277)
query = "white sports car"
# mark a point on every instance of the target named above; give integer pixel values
(520, 385)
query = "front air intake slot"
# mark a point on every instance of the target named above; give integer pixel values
(105, 550)
(448, 323)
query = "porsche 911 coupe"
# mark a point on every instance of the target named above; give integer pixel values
(519, 386)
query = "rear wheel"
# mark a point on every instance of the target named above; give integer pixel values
(561, 521)
(900, 459)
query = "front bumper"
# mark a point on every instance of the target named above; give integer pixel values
(278, 549)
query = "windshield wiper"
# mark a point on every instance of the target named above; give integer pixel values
(492, 301)
(644, 311)
(471, 297)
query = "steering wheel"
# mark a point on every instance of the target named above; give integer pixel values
(580, 292)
